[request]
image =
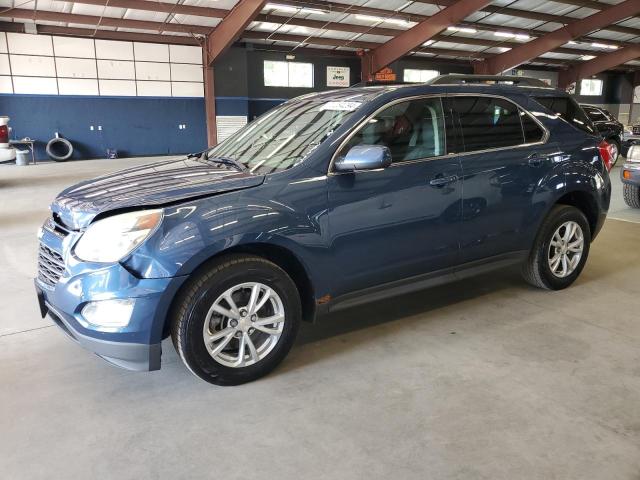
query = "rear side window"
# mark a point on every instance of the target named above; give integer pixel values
(487, 122)
(595, 114)
(568, 110)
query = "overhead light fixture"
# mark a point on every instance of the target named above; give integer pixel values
(604, 45)
(587, 57)
(428, 42)
(289, 9)
(462, 29)
(290, 56)
(371, 18)
(571, 42)
(517, 36)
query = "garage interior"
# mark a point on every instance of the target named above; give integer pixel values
(483, 378)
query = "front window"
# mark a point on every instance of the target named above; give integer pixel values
(286, 135)
(412, 130)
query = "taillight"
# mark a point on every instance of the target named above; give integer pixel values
(4, 134)
(606, 153)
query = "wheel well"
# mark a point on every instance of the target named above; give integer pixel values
(585, 203)
(287, 261)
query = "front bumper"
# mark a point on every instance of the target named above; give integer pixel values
(135, 346)
(130, 356)
(630, 173)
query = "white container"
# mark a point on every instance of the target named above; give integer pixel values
(22, 157)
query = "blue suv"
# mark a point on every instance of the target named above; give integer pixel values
(328, 201)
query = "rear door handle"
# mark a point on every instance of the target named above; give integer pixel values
(441, 181)
(535, 160)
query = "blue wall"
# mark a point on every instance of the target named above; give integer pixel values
(131, 125)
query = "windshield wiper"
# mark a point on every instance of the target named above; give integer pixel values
(225, 161)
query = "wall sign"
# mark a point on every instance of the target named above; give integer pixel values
(338, 76)
(385, 75)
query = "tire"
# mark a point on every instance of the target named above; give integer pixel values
(55, 143)
(537, 269)
(193, 309)
(631, 195)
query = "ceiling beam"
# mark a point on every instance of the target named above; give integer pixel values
(597, 65)
(160, 6)
(557, 38)
(411, 39)
(231, 27)
(531, 15)
(103, 34)
(35, 15)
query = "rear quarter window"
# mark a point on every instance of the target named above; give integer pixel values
(567, 109)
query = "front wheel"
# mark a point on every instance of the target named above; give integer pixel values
(560, 250)
(237, 321)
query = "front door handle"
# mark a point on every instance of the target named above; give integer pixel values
(441, 180)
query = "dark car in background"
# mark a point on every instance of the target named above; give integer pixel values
(328, 201)
(609, 127)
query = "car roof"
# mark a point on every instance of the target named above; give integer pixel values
(368, 93)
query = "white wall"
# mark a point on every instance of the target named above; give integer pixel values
(56, 65)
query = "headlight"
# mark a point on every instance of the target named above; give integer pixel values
(115, 237)
(633, 155)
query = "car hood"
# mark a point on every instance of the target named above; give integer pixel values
(152, 185)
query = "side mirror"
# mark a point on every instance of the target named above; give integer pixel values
(364, 157)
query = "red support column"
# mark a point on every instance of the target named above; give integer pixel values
(209, 101)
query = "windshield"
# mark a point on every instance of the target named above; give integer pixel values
(286, 135)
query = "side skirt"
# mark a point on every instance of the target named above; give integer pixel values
(424, 281)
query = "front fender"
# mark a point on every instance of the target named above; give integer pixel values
(194, 232)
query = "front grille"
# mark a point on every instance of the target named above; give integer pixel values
(50, 266)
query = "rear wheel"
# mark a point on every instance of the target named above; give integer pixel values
(560, 250)
(631, 195)
(615, 150)
(237, 321)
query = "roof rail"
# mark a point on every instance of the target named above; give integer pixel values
(459, 79)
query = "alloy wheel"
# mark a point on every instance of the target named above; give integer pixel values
(565, 249)
(244, 325)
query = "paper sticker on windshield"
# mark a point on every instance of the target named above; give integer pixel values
(340, 106)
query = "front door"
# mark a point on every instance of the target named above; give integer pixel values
(390, 224)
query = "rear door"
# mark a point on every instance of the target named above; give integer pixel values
(504, 156)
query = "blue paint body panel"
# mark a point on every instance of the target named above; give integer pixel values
(350, 232)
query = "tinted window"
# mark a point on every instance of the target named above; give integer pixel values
(412, 130)
(595, 115)
(532, 131)
(568, 110)
(487, 122)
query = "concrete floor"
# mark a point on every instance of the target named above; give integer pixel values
(482, 379)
